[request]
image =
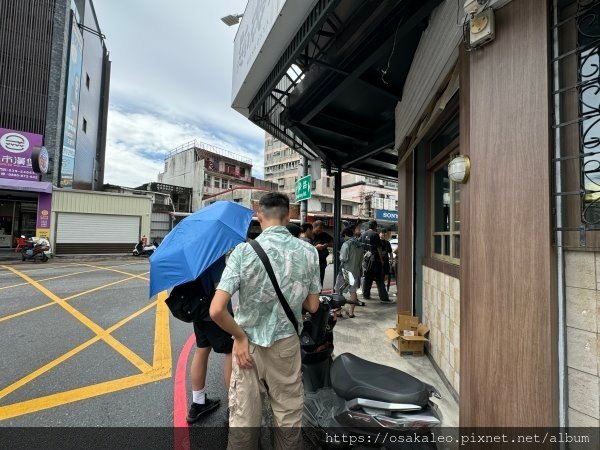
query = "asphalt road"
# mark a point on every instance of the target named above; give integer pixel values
(83, 346)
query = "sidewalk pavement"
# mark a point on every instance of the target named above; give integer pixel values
(365, 337)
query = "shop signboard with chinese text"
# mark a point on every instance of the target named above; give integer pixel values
(303, 188)
(43, 215)
(15, 154)
(72, 106)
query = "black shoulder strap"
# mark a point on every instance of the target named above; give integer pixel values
(265, 260)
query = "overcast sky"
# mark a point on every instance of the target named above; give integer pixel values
(170, 83)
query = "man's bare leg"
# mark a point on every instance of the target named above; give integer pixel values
(199, 368)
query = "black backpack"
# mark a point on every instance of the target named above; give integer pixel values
(189, 302)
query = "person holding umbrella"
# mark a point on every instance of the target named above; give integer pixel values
(209, 337)
(191, 260)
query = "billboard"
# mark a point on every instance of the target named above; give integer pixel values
(386, 215)
(67, 165)
(263, 35)
(15, 154)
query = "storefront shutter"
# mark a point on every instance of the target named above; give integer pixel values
(97, 229)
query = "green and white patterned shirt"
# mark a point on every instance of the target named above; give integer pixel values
(296, 267)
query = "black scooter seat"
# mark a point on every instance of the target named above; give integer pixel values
(353, 377)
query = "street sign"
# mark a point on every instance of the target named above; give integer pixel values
(303, 188)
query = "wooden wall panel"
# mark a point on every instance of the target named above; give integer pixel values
(404, 274)
(508, 339)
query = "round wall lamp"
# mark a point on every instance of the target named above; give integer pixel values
(459, 169)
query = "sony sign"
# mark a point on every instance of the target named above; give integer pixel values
(383, 214)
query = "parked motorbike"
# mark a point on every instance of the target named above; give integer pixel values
(37, 248)
(359, 399)
(144, 250)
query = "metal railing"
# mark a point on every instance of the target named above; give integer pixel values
(576, 122)
(196, 144)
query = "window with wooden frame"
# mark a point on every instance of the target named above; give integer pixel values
(444, 214)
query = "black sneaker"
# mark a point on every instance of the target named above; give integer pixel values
(197, 411)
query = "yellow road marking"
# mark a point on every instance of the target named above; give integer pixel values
(51, 278)
(99, 288)
(44, 268)
(12, 316)
(162, 344)
(66, 275)
(27, 311)
(45, 368)
(110, 340)
(159, 372)
(109, 269)
(74, 395)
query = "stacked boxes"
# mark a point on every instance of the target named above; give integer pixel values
(409, 336)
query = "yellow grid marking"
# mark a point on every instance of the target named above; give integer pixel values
(142, 365)
(45, 368)
(99, 288)
(27, 311)
(67, 275)
(110, 269)
(51, 278)
(161, 369)
(44, 268)
(21, 313)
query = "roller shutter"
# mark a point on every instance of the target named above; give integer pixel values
(96, 233)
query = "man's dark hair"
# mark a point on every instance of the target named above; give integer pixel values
(294, 229)
(275, 205)
(372, 224)
(348, 231)
(306, 226)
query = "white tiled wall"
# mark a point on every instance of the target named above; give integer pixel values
(582, 278)
(441, 313)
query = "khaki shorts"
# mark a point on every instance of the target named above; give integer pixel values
(277, 375)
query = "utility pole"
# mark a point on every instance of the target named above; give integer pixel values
(337, 217)
(304, 204)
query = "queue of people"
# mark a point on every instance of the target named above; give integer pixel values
(276, 276)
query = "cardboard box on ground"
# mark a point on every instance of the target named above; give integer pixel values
(409, 336)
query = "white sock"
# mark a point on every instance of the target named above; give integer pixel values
(199, 397)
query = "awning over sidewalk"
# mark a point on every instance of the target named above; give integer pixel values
(25, 185)
(334, 90)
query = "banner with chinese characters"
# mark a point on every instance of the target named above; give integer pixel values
(15, 154)
(67, 167)
(43, 215)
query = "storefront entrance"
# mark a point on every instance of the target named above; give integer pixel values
(18, 216)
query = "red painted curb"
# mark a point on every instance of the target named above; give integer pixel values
(180, 401)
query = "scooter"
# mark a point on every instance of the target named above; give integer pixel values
(144, 250)
(37, 248)
(361, 400)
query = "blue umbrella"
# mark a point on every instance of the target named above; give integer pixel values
(197, 242)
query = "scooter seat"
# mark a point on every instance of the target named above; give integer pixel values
(353, 377)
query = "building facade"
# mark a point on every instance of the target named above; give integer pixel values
(206, 169)
(166, 200)
(501, 263)
(283, 166)
(54, 83)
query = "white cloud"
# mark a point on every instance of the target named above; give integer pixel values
(170, 83)
(137, 143)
